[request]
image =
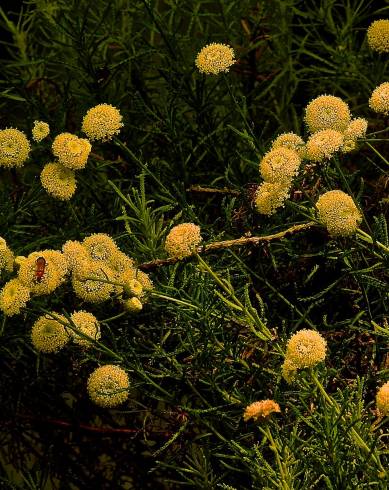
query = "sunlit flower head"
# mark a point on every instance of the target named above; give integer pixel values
(92, 282)
(338, 212)
(14, 148)
(86, 324)
(108, 386)
(356, 129)
(49, 335)
(379, 99)
(327, 112)
(382, 399)
(261, 410)
(121, 262)
(58, 181)
(378, 35)
(182, 240)
(6, 257)
(279, 165)
(322, 145)
(71, 151)
(215, 58)
(269, 197)
(102, 122)
(13, 297)
(101, 247)
(306, 348)
(132, 305)
(40, 131)
(52, 275)
(291, 141)
(75, 254)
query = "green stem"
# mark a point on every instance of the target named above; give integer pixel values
(377, 153)
(369, 239)
(273, 447)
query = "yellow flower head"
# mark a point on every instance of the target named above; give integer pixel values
(14, 148)
(88, 325)
(379, 99)
(49, 335)
(382, 399)
(182, 240)
(144, 279)
(13, 297)
(306, 348)
(378, 35)
(215, 58)
(279, 165)
(133, 288)
(121, 262)
(58, 181)
(324, 144)
(90, 282)
(75, 254)
(261, 410)
(40, 131)
(269, 197)
(55, 270)
(6, 257)
(102, 122)
(291, 141)
(327, 112)
(133, 305)
(289, 370)
(108, 386)
(101, 247)
(356, 129)
(72, 151)
(338, 212)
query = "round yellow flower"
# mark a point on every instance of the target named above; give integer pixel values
(13, 297)
(87, 284)
(215, 58)
(279, 165)
(72, 151)
(49, 335)
(306, 348)
(133, 305)
(108, 386)
(6, 257)
(102, 122)
(379, 99)
(338, 212)
(356, 129)
(269, 197)
(261, 410)
(182, 240)
(14, 148)
(53, 276)
(40, 131)
(291, 141)
(101, 247)
(289, 371)
(378, 35)
(75, 254)
(88, 325)
(324, 144)
(382, 399)
(327, 112)
(58, 181)
(121, 262)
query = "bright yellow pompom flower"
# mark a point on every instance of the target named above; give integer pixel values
(215, 58)
(75, 254)
(378, 36)
(102, 122)
(88, 325)
(72, 151)
(327, 112)
(13, 297)
(101, 247)
(58, 181)
(108, 386)
(279, 165)
(54, 274)
(269, 197)
(14, 148)
(49, 335)
(379, 100)
(306, 348)
(322, 145)
(382, 399)
(338, 212)
(40, 131)
(291, 141)
(182, 240)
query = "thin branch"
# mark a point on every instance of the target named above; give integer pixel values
(213, 190)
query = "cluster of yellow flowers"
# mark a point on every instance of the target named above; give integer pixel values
(182, 240)
(96, 268)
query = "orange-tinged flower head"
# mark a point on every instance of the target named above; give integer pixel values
(182, 240)
(261, 410)
(378, 36)
(323, 144)
(382, 399)
(215, 58)
(379, 99)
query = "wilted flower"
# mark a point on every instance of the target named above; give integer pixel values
(306, 348)
(323, 144)
(49, 335)
(379, 99)
(338, 212)
(40, 131)
(14, 148)
(279, 165)
(382, 399)
(88, 325)
(327, 112)
(269, 197)
(182, 240)
(72, 151)
(102, 122)
(378, 35)
(215, 58)
(291, 141)
(261, 410)
(6, 257)
(58, 181)
(108, 386)
(13, 297)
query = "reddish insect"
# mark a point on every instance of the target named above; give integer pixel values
(40, 268)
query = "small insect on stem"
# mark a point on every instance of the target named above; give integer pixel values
(40, 268)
